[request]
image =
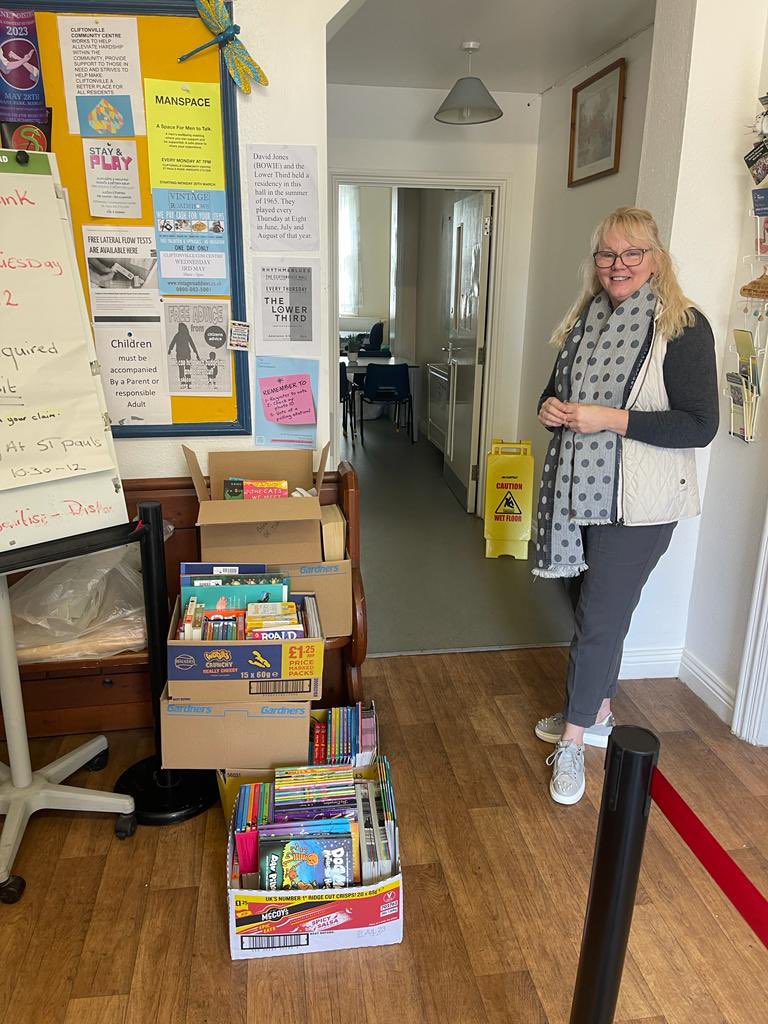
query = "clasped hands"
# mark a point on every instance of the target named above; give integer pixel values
(583, 419)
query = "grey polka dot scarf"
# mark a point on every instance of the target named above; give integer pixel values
(579, 479)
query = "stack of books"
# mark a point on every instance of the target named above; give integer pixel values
(238, 489)
(347, 735)
(316, 827)
(241, 605)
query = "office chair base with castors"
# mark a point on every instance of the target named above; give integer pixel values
(23, 791)
(44, 792)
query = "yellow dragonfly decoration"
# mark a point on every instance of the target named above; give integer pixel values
(240, 64)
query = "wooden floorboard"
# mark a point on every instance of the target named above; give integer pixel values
(495, 878)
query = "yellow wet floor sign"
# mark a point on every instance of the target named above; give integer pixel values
(508, 499)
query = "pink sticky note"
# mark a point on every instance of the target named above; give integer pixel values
(288, 399)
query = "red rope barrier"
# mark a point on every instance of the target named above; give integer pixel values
(742, 893)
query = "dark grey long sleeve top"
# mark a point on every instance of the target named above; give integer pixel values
(690, 377)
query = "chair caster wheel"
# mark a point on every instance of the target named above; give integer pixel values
(11, 889)
(125, 826)
(100, 761)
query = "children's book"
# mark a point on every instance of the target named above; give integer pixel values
(225, 597)
(323, 863)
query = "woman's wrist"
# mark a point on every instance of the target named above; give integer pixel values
(618, 421)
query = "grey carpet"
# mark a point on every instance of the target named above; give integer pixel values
(428, 584)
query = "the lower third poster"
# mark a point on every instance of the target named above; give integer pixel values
(285, 406)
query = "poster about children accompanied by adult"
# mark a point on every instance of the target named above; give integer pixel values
(285, 409)
(198, 360)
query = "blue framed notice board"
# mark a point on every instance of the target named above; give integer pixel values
(148, 154)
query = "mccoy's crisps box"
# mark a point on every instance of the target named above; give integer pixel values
(213, 670)
(287, 921)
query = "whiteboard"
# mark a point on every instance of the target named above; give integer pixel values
(58, 468)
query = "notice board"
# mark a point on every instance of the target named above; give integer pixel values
(147, 152)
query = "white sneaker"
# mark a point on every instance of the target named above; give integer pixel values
(551, 729)
(567, 783)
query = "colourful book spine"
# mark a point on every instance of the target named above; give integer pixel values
(255, 489)
(233, 488)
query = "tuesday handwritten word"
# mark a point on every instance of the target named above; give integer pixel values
(29, 263)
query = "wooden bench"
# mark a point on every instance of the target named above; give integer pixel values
(113, 693)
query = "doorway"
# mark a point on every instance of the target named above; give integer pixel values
(436, 312)
(422, 293)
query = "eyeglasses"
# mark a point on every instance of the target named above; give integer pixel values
(604, 258)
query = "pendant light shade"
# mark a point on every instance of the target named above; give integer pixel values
(469, 102)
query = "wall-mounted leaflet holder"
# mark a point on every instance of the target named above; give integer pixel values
(744, 385)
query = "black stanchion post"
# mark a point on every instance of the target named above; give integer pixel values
(155, 601)
(630, 759)
(162, 796)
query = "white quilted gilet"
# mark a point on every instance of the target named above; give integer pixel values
(658, 485)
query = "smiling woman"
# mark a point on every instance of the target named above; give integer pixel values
(633, 392)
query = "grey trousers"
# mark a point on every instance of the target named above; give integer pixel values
(620, 560)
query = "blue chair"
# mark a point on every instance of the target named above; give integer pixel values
(347, 401)
(388, 385)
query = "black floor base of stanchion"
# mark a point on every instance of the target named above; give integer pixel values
(165, 797)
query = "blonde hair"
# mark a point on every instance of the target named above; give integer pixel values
(638, 225)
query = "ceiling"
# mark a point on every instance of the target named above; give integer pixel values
(526, 45)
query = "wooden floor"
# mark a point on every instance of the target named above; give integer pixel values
(496, 877)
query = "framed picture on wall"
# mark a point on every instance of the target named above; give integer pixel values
(597, 110)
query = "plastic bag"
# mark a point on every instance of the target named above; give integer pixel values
(87, 607)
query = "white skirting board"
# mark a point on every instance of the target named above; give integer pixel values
(705, 684)
(676, 662)
(651, 663)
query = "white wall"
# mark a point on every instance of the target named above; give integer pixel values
(375, 232)
(562, 225)
(402, 338)
(289, 41)
(737, 483)
(702, 190)
(392, 131)
(563, 218)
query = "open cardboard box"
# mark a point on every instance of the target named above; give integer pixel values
(214, 670)
(266, 530)
(283, 534)
(264, 733)
(266, 923)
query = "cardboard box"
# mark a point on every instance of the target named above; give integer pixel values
(331, 582)
(210, 670)
(334, 529)
(265, 923)
(266, 530)
(262, 733)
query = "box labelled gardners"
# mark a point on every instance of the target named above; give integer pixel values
(265, 530)
(212, 670)
(331, 583)
(260, 733)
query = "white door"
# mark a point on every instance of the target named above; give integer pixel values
(465, 351)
